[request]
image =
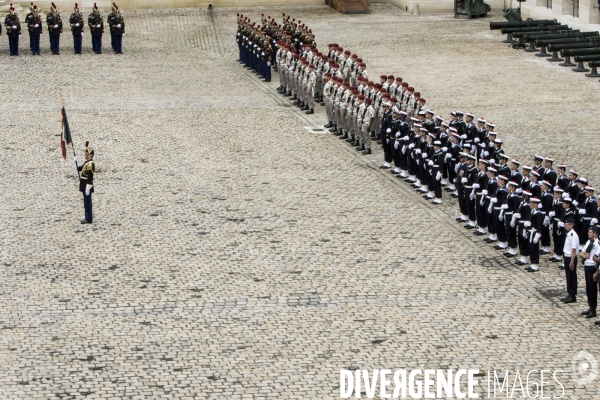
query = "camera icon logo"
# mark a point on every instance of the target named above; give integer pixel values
(585, 367)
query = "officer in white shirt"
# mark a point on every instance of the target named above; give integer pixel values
(589, 250)
(570, 248)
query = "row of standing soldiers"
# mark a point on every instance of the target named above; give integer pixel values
(526, 211)
(54, 24)
(256, 42)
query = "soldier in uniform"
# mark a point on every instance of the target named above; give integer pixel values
(13, 30)
(588, 251)
(86, 183)
(117, 31)
(570, 247)
(534, 227)
(34, 26)
(556, 214)
(77, 25)
(96, 25)
(110, 21)
(54, 22)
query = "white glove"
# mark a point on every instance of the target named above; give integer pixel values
(516, 216)
(411, 146)
(485, 154)
(537, 237)
(582, 211)
(489, 210)
(119, 25)
(447, 156)
(55, 26)
(463, 137)
(512, 223)
(504, 207)
(493, 200)
(472, 196)
(492, 161)
(418, 162)
(501, 217)
(388, 130)
(403, 149)
(430, 163)
(546, 221)
(593, 221)
(14, 27)
(444, 149)
(476, 185)
(519, 191)
(406, 138)
(527, 224)
(37, 25)
(268, 63)
(476, 140)
(396, 144)
(575, 203)
(464, 180)
(87, 189)
(561, 224)
(565, 195)
(418, 151)
(97, 26)
(481, 202)
(456, 168)
(438, 176)
(524, 234)
(551, 214)
(482, 145)
(397, 134)
(75, 158)
(484, 192)
(424, 155)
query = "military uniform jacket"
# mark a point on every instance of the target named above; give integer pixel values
(515, 176)
(31, 25)
(537, 221)
(13, 26)
(546, 203)
(563, 182)
(76, 18)
(54, 24)
(87, 175)
(117, 25)
(93, 21)
(550, 176)
(513, 201)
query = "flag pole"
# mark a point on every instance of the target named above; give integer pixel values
(72, 146)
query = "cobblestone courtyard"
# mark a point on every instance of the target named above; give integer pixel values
(234, 255)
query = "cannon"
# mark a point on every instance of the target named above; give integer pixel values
(528, 22)
(587, 58)
(512, 15)
(543, 43)
(567, 53)
(539, 28)
(531, 36)
(594, 66)
(560, 47)
(470, 8)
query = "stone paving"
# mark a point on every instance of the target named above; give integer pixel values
(234, 255)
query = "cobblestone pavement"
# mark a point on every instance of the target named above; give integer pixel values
(234, 255)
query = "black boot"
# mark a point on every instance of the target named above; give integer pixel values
(310, 111)
(334, 129)
(329, 125)
(288, 94)
(367, 151)
(360, 148)
(304, 107)
(296, 102)
(351, 139)
(294, 98)
(344, 136)
(339, 133)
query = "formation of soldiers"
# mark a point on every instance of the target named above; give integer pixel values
(257, 41)
(54, 24)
